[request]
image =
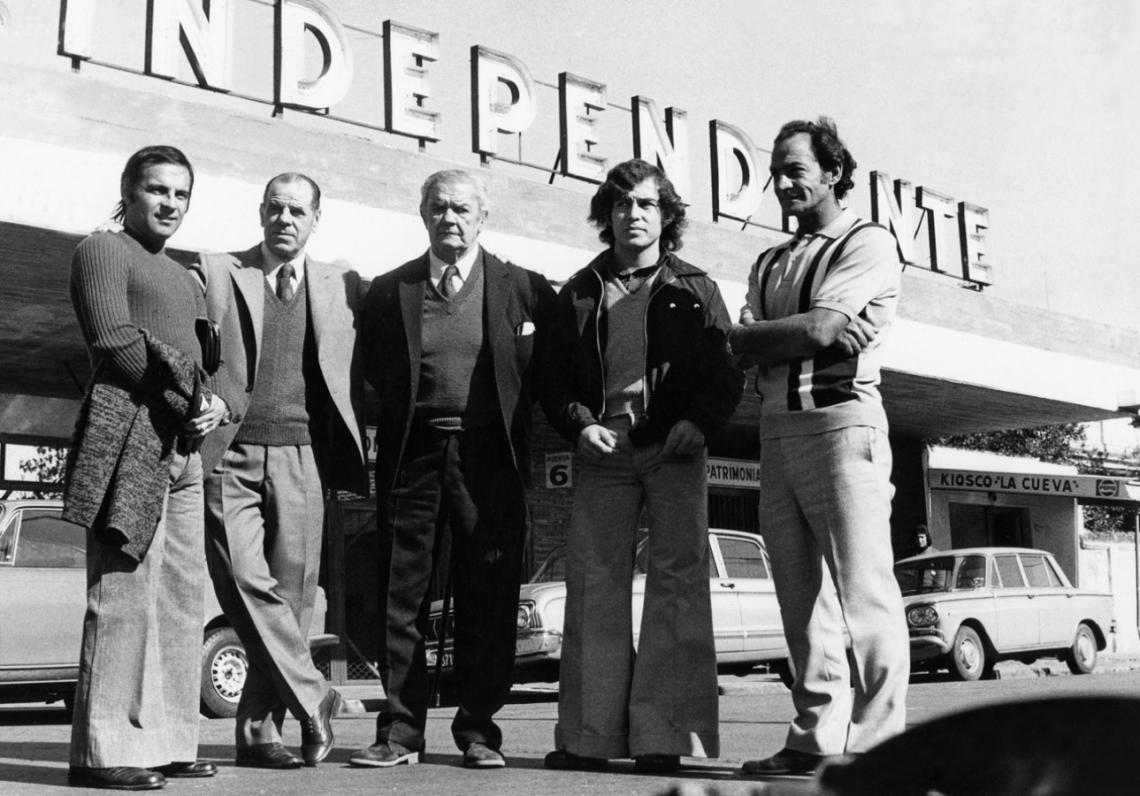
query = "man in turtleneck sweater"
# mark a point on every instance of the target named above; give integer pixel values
(449, 343)
(134, 480)
(638, 377)
(289, 375)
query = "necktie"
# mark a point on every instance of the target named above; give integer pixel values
(449, 273)
(285, 283)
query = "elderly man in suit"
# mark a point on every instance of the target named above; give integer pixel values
(289, 376)
(450, 342)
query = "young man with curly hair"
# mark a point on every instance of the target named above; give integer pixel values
(638, 378)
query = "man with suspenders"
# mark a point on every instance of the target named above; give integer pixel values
(819, 308)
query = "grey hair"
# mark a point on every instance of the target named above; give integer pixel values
(450, 176)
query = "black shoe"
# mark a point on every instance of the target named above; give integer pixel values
(385, 754)
(785, 761)
(195, 768)
(479, 755)
(316, 731)
(117, 778)
(657, 764)
(561, 760)
(268, 755)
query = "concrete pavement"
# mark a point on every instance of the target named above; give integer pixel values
(754, 715)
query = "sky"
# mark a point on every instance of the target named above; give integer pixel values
(1025, 107)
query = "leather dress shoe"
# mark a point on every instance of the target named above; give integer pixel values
(268, 755)
(193, 768)
(657, 764)
(561, 760)
(385, 754)
(117, 778)
(479, 755)
(785, 761)
(316, 731)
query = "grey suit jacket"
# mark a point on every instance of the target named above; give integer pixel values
(235, 300)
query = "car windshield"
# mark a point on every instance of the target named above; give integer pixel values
(925, 576)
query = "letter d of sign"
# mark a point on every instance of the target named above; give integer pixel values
(491, 72)
(730, 144)
(294, 19)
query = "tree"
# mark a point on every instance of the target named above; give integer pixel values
(46, 467)
(1045, 443)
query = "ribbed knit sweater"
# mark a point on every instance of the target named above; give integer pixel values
(118, 288)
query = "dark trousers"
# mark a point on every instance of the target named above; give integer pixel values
(470, 478)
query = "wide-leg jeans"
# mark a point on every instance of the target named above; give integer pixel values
(613, 703)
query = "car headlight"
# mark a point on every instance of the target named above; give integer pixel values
(527, 617)
(922, 616)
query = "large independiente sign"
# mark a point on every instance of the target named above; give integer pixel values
(1084, 487)
(504, 100)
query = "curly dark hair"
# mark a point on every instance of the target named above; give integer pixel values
(622, 179)
(138, 163)
(828, 148)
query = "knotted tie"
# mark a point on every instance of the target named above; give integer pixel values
(285, 283)
(449, 273)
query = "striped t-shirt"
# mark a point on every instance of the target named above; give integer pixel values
(850, 266)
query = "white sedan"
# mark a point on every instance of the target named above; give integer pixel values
(746, 616)
(968, 608)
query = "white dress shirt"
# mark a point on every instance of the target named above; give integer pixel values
(271, 264)
(463, 265)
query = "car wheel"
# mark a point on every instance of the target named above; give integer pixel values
(224, 668)
(968, 656)
(1081, 657)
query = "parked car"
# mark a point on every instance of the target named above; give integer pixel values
(746, 618)
(967, 609)
(43, 596)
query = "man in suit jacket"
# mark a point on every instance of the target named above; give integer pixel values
(449, 340)
(289, 375)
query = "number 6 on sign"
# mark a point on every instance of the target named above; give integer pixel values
(559, 470)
